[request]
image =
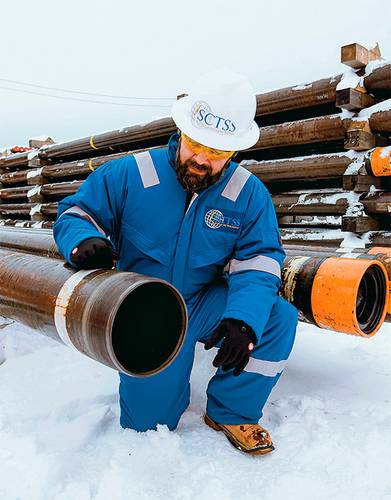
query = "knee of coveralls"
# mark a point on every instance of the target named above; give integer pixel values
(240, 399)
(162, 398)
(157, 399)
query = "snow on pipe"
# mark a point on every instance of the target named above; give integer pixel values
(130, 322)
(341, 294)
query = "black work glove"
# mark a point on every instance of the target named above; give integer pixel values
(239, 340)
(94, 253)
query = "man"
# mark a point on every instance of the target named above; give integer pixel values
(191, 216)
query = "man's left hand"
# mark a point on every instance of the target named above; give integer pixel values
(239, 340)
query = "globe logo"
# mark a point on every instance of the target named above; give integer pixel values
(214, 219)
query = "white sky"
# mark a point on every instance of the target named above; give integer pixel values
(155, 49)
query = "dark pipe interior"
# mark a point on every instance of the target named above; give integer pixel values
(147, 328)
(371, 298)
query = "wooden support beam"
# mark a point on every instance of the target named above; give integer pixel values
(359, 136)
(361, 183)
(356, 56)
(361, 224)
(353, 99)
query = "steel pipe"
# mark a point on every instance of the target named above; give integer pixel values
(315, 167)
(324, 128)
(298, 96)
(379, 79)
(154, 133)
(307, 285)
(378, 162)
(381, 122)
(132, 323)
(344, 295)
(29, 240)
(382, 254)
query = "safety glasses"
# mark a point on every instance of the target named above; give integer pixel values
(210, 153)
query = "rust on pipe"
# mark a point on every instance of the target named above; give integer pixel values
(86, 166)
(29, 240)
(343, 295)
(15, 160)
(378, 204)
(322, 129)
(314, 202)
(379, 79)
(9, 194)
(298, 96)
(326, 166)
(130, 322)
(15, 209)
(381, 122)
(30, 193)
(17, 177)
(134, 137)
(60, 189)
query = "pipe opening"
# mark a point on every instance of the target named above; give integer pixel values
(148, 329)
(371, 297)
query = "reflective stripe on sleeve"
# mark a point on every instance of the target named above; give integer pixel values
(77, 210)
(147, 169)
(265, 368)
(258, 263)
(236, 183)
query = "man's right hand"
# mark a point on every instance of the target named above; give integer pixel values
(94, 253)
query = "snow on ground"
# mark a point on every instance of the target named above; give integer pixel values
(330, 417)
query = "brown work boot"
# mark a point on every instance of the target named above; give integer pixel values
(250, 438)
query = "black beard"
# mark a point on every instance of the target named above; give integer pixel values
(191, 182)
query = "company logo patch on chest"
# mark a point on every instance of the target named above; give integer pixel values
(222, 220)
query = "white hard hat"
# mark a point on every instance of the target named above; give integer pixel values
(219, 112)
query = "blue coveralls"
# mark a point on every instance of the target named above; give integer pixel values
(224, 255)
